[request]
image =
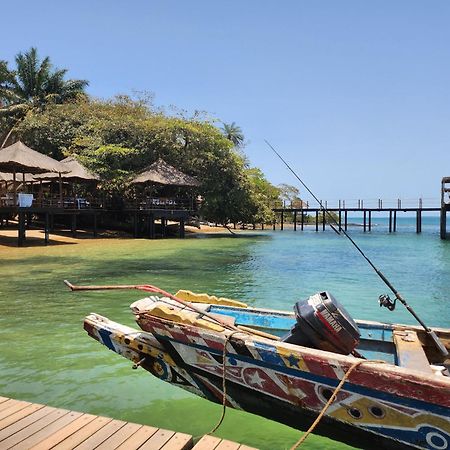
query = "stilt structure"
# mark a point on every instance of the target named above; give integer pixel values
(445, 205)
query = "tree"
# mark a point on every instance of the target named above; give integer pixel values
(289, 193)
(33, 85)
(234, 134)
(120, 137)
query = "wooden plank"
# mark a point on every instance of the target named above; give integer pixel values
(3, 399)
(157, 440)
(138, 438)
(48, 430)
(36, 426)
(81, 435)
(8, 403)
(207, 443)
(24, 422)
(65, 432)
(180, 441)
(227, 445)
(119, 436)
(12, 409)
(246, 447)
(410, 352)
(12, 418)
(101, 435)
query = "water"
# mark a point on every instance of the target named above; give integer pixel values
(46, 357)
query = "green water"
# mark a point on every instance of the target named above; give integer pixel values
(46, 357)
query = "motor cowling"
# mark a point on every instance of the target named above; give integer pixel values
(323, 323)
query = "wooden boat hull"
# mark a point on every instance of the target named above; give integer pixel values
(381, 405)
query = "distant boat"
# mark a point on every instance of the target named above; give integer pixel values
(285, 366)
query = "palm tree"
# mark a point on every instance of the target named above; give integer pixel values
(234, 134)
(33, 85)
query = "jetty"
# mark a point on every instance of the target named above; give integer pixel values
(25, 425)
(300, 216)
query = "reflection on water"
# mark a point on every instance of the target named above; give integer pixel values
(45, 356)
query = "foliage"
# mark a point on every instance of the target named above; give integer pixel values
(289, 194)
(120, 137)
(234, 134)
(33, 84)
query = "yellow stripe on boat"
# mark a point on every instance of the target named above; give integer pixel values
(192, 297)
(185, 317)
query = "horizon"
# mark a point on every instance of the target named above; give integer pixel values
(362, 88)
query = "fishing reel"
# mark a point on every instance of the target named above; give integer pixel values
(385, 300)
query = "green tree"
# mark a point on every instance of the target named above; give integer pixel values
(33, 84)
(234, 134)
(289, 194)
(120, 137)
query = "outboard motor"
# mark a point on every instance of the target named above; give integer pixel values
(323, 323)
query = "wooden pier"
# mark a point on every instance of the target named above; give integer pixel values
(25, 426)
(141, 222)
(445, 205)
(320, 222)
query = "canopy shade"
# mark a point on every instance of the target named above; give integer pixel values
(4, 176)
(162, 173)
(77, 172)
(20, 158)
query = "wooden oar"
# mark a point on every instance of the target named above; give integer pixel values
(157, 290)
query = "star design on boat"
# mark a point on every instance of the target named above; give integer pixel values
(254, 379)
(293, 360)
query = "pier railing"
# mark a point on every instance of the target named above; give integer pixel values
(361, 204)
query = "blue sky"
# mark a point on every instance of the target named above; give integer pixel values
(355, 94)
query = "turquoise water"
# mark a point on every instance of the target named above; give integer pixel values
(45, 356)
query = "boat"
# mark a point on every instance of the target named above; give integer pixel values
(286, 366)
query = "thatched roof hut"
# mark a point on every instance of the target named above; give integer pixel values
(77, 172)
(164, 174)
(20, 158)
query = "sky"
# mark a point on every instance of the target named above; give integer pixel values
(354, 94)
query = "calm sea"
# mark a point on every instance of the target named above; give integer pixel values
(46, 357)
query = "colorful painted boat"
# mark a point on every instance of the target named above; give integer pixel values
(401, 403)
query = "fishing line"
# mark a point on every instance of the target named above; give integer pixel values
(440, 346)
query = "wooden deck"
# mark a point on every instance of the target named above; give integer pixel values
(25, 426)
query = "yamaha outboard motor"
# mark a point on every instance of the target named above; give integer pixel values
(323, 323)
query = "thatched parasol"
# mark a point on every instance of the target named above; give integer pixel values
(20, 158)
(77, 172)
(162, 173)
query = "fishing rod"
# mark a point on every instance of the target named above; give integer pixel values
(384, 299)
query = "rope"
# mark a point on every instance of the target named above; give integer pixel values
(332, 398)
(224, 385)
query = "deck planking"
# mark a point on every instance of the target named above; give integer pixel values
(25, 425)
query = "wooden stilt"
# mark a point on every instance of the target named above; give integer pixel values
(21, 236)
(340, 217)
(303, 220)
(74, 225)
(345, 220)
(95, 224)
(365, 220)
(317, 220)
(182, 230)
(47, 229)
(395, 221)
(390, 221)
(295, 220)
(323, 220)
(282, 221)
(370, 220)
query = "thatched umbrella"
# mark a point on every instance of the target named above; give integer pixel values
(20, 158)
(77, 172)
(164, 174)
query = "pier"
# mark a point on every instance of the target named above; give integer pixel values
(445, 205)
(341, 209)
(25, 425)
